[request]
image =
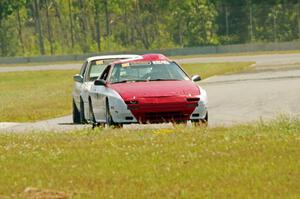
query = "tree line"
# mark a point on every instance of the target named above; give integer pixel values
(55, 27)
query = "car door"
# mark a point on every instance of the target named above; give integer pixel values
(99, 94)
(78, 85)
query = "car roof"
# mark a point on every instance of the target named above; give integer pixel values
(123, 56)
(145, 57)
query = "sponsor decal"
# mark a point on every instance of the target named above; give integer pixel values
(160, 62)
(99, 62)
(135, 64)
(125, 65)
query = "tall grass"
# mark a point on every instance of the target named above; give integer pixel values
(31, 96)
(211, 69)
(245, 161)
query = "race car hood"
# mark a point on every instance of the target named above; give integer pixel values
(156, 89)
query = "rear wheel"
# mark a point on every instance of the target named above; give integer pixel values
(76, 114)
(109, 119)
(201, 122)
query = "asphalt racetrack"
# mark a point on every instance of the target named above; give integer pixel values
(271, 90)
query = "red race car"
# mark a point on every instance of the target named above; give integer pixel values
(149, 89)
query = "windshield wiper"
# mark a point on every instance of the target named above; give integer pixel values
(141, 80)
(129, 80)
(163, 79)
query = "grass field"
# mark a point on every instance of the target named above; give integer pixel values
(249, 161)
(208, 70)
(238, 54)
(42, 63)
(31, 96)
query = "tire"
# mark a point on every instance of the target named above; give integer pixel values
(109, 119)
(201, 122)
(183, 123)
(76, 113)
(82, 117)
(92, 116)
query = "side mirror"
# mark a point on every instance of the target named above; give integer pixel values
(78, 78)
(99, 82)
(196, 78)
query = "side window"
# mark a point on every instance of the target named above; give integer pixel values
(105, 73)
(115, 74)
(83, 68)
(94, 70)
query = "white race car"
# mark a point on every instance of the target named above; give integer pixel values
(90, 71)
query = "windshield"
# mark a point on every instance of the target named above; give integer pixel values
(147, 71)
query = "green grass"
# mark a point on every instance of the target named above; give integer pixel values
(249, 161)
(238, 54)
(30, 96)
(42, 63)
(211, 69)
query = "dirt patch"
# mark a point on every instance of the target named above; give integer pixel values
(36, 193)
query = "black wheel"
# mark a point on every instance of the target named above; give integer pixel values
(92, 116)
(184, 123)
(76, 114)
(201, 122)
(82, 117)
(109, 119)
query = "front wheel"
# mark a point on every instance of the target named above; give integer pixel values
(82, 117)
(183, 123)
(109, 119)
(92, 116)
(76, 114)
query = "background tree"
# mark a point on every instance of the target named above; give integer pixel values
(86, 26)
(7, 8)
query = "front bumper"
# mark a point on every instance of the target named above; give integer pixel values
(200, 111)
(158, 110)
